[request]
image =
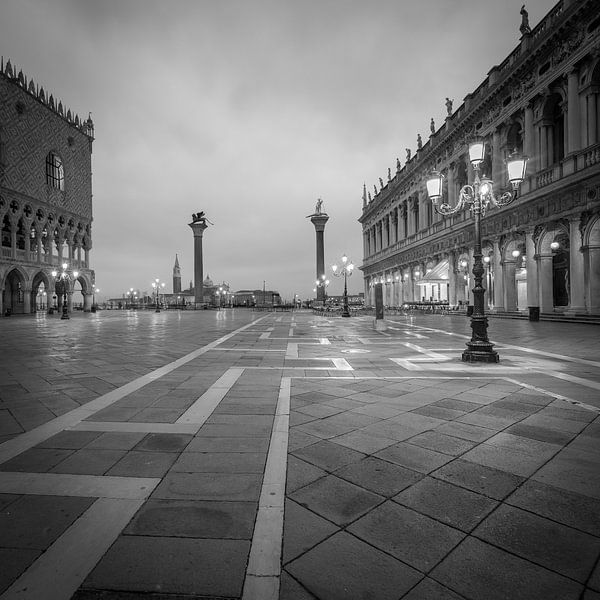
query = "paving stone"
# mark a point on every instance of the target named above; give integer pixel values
(114, 414)
(14, 561)
(36, 460)
(466, 431)
(343, 567)
(222, 462)
(6, 499)
(594, 581)
(379, 476)
(477, 570)
(143, 464)
(323, 429)
(201, 443)
(297, 418)
(438, 412)
(336, 499)
(319, 410)
(414, 457)
(328, 456)
(363, 442)
(569, 508)
(157, 415)
(36, 521)
(458, 405)
(411, 537)
(210, 486)
(440, 442)
(572, 470)
(290, 589)
(70, 440)
(116, 440)
(164, 442)
(194, 518)
(478, 478)
(554, 546)
(301, 473)
(428, 589)
(507, 459)
(89, 462)
(447, 503)
(303, 530)
(201, 567)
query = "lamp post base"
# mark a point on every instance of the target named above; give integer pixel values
(345, 313)
(480, 352)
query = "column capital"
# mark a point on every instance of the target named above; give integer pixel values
(319, 221)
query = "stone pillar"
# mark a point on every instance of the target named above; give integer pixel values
(529, 139)
(319, 220)
(198, 228)
(592, 119)
(27, 300)
(573, 117)
(593, 279)
(533, 297)
(576, 278)
(546, 293)
(510, 284)
(452, 300)
(498, 279)
(87, 302)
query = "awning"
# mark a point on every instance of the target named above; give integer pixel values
(439, 274)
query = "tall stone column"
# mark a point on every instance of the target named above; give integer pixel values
(319, 220)
(546, 293)
(198, 226)
(576, 276)
(533, 286)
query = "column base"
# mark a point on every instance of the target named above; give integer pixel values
(480, 352)
(379, 325)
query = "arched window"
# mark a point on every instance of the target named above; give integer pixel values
(55, 173)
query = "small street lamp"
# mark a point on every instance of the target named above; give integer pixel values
(346, 270)
(157, 285)
(65, 278)
(478, 197)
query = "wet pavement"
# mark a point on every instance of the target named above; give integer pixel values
(237, 454)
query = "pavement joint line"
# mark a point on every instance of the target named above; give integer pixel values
(66, 484)
(24, 441)
(135, 427)
(204, 406)
(264, 563)
(62, 568)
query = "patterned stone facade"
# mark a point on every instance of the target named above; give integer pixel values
(45, 197)
(544, 249)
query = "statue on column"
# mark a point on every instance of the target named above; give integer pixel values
(200, 217)
(407, 154)
(419, 141)
(432, 126)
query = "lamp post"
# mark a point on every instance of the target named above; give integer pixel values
(346, 270)
(95, 291)
(65, 278)
(157, 285)
(478, 197)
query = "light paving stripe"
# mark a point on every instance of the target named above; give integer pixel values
(198, 412)
(292, 350)
(264, 336)
(407, 364)
(135, 427)
(23, 442)
(578, 380)
(62, 568)
(324, 341)
(247, 349)
(264, 564)
(63, 484)
(428, 353)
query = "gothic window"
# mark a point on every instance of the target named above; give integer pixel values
(55, 173)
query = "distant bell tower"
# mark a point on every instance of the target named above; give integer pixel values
(176, 277)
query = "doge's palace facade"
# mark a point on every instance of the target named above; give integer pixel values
(45, 197)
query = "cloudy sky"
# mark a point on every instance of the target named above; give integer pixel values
(250, 110)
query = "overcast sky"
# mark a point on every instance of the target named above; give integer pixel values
(251, 111)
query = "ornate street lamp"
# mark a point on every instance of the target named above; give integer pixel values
(346, 270)
(65, 278)
(321, 283)
(157, 285)
(478, 197)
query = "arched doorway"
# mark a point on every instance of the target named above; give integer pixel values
(41, 296)
(13, 295)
